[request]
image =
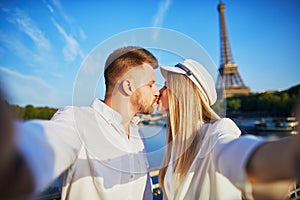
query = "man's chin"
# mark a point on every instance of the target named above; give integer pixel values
(147, 111)
(150, 110)
(161, 110)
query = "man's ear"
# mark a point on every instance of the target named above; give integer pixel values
(127, 87)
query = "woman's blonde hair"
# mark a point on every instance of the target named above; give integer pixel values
(188, 110)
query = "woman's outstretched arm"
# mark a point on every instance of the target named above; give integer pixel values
(274, 160)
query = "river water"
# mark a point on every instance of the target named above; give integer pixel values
(155, 139)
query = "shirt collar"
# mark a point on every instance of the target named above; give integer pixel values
(110, 114)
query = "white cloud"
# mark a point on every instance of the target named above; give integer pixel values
(72, 48)
(58, 75)
(162, 9)
(49, 8)
(36, 50)
(61, 11)
(82, 34)
(57, 5)
(19, 48)
(159, 17)
(30, 28)
(23, 89)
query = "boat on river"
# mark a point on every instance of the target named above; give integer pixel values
(286, 125)
(276, 124)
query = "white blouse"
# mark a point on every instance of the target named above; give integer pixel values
(218, 171)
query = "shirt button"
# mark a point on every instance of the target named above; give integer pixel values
(131, 176)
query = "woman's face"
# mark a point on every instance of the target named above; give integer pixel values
(163, 104)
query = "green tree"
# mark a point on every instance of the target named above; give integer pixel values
(29, 112)
(234, 104)
(44, 114)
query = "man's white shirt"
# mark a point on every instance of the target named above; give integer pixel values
(91, 148)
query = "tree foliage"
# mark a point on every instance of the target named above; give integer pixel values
(267, 103)
(31, 112)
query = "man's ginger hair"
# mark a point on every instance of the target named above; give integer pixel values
(121, 61)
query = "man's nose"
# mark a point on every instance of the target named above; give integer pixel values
(155, 91)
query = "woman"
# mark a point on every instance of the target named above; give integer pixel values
(205, 157)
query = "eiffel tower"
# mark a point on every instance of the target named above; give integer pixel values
(229, 82)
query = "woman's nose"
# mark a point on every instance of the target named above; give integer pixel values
(162, 89)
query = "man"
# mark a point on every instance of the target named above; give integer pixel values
(97, 149)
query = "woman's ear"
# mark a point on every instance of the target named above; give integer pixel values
(126, 87)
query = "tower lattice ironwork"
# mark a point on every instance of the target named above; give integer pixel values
(229, 81)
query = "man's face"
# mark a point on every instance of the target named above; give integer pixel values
(145, 95)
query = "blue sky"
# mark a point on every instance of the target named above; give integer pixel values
(43, 44)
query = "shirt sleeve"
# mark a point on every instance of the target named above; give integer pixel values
(232, 152)
(49, 147)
